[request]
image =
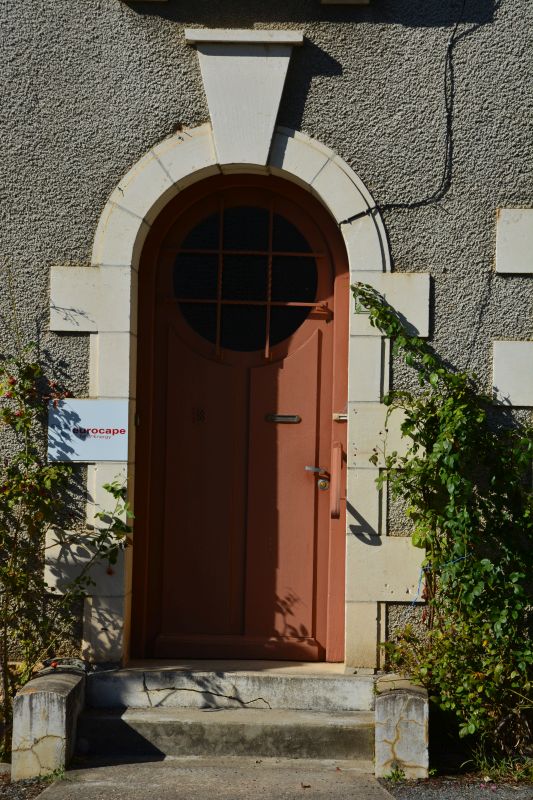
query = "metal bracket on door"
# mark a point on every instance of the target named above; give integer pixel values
(321, 311)
(340, 416)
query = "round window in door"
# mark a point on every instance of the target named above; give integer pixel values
(245, 278)
(245, 274)
(242, 362)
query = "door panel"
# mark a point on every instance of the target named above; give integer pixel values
(283, 499)
(235, 542)
(204, 494)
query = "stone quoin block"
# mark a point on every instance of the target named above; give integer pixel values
(384, 568)
(362, 627)
(372, 427)
(365, 505)
(514, 240)
(74, 296)
(406, 292)
(91, 299)
(513, 373)
(365, 369)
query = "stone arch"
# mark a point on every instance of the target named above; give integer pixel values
(190, 156)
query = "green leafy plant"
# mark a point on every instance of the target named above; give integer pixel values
(466, 483)
(396, 775)
(33, 496)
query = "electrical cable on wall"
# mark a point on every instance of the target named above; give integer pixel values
(446, 178)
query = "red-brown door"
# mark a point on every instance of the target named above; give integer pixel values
(239, 545)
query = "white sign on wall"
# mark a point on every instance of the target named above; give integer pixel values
(88, 430)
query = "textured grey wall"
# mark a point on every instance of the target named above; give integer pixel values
(91, 85)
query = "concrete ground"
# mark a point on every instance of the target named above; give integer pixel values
(200, 778)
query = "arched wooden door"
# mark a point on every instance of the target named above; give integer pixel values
(242, 364)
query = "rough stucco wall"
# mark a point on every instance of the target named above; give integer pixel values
(401, 614)
(92, 85)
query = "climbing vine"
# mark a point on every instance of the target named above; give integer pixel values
(466, 482)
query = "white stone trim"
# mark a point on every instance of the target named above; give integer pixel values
(366, 507)
(74, 293)
(84, 299)
(242, 36)
(183, 159)
(374, 428)
(513, 373)
(297, 157)
(68, 554)
(514, 241)
(105, 627)
(144, 191)
(365, 357)
(389, 573)
(361, 649)
(407, 293)
(243, 73)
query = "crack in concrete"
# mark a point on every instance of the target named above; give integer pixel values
(44, 769)
(401, 725)
(36, 742)
(146, 690)
(206, 691)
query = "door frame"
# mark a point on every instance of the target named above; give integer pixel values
(147, 555)
(102, 301)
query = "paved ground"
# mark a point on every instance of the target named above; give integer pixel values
(235, 779)
(197, 778)
(461, 789)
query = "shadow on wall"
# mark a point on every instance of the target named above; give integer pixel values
(412, 13)
(311, 61)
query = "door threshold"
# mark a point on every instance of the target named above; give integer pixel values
(233, 665)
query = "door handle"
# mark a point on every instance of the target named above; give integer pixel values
(323, 477)
(336, 475)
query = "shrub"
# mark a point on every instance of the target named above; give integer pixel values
(466, 482)
(33, 496)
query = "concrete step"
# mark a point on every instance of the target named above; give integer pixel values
(159, 732)
(305, 687)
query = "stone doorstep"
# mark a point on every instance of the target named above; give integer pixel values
(227, 686)
(222, 722)
(160, 732)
